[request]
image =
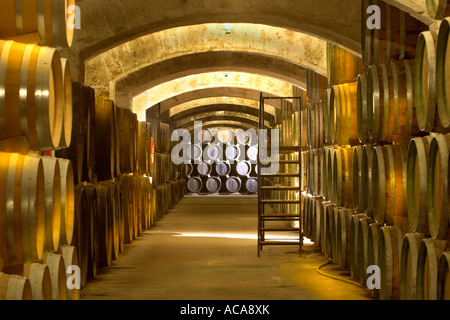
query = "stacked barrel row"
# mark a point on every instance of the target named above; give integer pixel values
(167, 177)
(223, 161)
(37, 219)
(381, 196)
(37, 199)
(110, 215)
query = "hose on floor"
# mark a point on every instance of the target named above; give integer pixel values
(319, 270)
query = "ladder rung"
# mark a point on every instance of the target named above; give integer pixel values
(288, 148)
(280, 229)
(279, 188)
(292, 175)
(279, 243)
(282, 215)
(280, 202)
(289, 162)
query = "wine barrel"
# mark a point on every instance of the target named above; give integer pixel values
(66, 135)
(213, 185)
(27, 71)
(28, 196)
(330, 173)
(390, 244)
(362, 109)
(334, 234)
(408, 266)
(325, 232)
(252, 185)
(442, 69)
(437, 186)
(77, 152)
(214, 152)
(103, 241)
(252, 154)
(425, 83)
(204, 169)
(316, 218)
(42, 21)
(372, 250)
(343, 114)
(40, 280)
(357, 179)
(70, 256)
(207, 136)
(195, 185)
(438, 9)
(223, 169)
(53, 202)
(353, 247)
(114, 217)
(234, 184)
(443, 285)
(225, 136)
(430, 251)
(343, 66)
(189, 169)
(395, 40)
(67, 201)
(343, 177)
(343, 240)
(104, 139)
(324, 172)
(57, 269)
(246, 138)
(390, 90)
(362, 249)
(233, 153)
(195, 152)
(85, 204)
(87, 223)
(14, 287)
(366, 179)
(417, 183)
(243, 168)
(388, 184)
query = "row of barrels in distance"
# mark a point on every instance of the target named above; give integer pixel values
(226, 137)
(38, 227)
(222, 177)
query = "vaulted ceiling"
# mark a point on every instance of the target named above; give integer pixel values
(199, 56)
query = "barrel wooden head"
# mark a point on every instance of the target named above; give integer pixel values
(442, 70)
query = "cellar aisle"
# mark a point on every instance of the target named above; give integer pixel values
(205, 249)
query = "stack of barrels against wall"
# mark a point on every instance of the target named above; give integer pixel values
(223, 161)
(377, 184)
(75, 169)
(37, 201)
(124, 177)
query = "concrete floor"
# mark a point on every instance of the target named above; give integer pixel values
(205, 249)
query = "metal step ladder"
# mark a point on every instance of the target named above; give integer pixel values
(270, 222)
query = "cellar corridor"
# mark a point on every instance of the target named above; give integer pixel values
(205, 249)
